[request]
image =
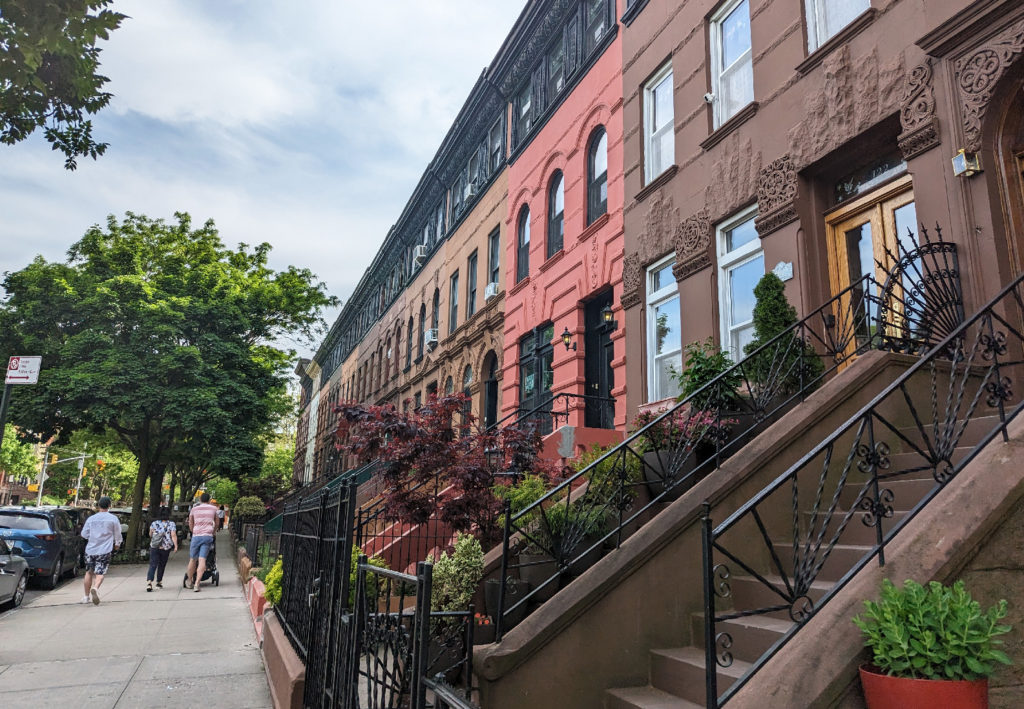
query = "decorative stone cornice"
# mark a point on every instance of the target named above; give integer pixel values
(632, 280)
(776, 196)
(978, 72)
(692, 244)
(917, 113)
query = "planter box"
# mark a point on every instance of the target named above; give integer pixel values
(884, 692)
(515, 591)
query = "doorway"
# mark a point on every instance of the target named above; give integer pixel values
(537, 374)
(599, 411)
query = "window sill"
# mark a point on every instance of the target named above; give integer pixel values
(730, 125)
(519, 286)
(595, 226)
(630, 14)
(657, 182)
(418, 360)
(555, 258)
(407, 368)
(844, 35)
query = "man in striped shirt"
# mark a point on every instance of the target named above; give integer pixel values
(202, 521)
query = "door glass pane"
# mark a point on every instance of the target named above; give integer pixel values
(860, 254)
(742, 280)
(905, 219)
(547, 372)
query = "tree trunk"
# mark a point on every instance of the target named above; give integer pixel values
(174, 487)
(138, 495)
(156, 484)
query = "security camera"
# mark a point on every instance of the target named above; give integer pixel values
(709, 98)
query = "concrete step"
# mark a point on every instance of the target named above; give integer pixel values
(748, 593)
(646, 698)
(841, 559)
(978, 426)
(908, 461)
(906, 493)
(856, 532)
(680, 671)
(751, 636)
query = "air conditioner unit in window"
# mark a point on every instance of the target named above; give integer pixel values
(491, 290)
(471, 190)
(430, 338)
(419, 254)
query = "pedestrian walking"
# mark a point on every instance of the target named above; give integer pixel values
(163, 539)
(202, 522)
(103, 532)
(220, 517)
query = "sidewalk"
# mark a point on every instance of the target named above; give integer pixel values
(169, 648)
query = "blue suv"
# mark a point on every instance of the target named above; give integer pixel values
(47, 539)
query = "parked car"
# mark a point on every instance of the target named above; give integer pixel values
(78, 516)
(47, 539)
(13, 576)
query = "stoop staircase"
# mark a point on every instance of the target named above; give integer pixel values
(677, 675)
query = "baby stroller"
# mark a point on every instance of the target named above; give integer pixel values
(211, 573)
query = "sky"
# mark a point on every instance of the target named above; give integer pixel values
(305, 125)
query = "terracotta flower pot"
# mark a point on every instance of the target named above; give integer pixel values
(882, 691)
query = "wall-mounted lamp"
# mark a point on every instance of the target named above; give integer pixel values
(567, 340)
(966, 164)
(608, 319)
(494, 458)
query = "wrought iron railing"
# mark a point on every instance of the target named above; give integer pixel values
(545, 416)
(804, 536)
(554, 539)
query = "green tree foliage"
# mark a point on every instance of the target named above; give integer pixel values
(224, 491)
(789, 362)
(248, 508)
(275, 475)
(16, 457)
(48, 72)
(158, 333)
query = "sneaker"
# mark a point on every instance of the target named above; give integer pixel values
(85, 599)
(196, 589)
(159, 584)
(95, 596)
(149, 586)
(188, 583)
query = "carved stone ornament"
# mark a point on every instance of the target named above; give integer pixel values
(917, 113)
(659, 227)
(776, 196)
(632, 279)
(692, 242)
(978, 72)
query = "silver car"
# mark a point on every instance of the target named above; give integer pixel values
(13, 576)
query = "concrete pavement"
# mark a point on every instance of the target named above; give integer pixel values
(168, 648)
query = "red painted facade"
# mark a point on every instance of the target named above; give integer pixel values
(589, 265)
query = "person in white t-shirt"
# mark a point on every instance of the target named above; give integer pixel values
(103, 530)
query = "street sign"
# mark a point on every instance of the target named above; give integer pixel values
(34, 487)
(23, 370)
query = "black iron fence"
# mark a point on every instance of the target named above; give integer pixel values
(551, 541)
(788, 550)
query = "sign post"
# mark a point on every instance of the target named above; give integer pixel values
(20, 370)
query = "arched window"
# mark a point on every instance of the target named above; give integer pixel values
(449, 386)
(408, 344)
(556, 213)
(423, 330)
(523, 245)
(435, 309)
(597, 176)
(467, 379)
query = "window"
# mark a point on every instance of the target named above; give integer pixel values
(449, 386)
(664, 342)
(494, 146)
(732, 74)
(596, 23)
(423, 332)
(740, 267)
(556, 68)
(597, 176)
(556, 213)
(523, 245)
(453, 306)
(473, 179)
(659, 127)
(408, 344)
(435, 310)
(493, 256)
(439, 222)
(826, 17)
(524, 112)
(417, 401)
(471, 269)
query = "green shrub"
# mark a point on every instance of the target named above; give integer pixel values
(273, 581)
(613, 477)
(789, 362)
(248, 508)
(373, 589)
(704, 362)
(456, 577)
(521, 495)
(938, 632)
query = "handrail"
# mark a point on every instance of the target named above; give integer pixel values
(693, 437)
(965, 368)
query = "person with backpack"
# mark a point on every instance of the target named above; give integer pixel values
(163, 539)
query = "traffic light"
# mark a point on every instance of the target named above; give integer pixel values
(53, 458)
(100, 464)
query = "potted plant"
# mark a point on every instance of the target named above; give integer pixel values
(931, 647)
(483, 629)
(455, 580)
